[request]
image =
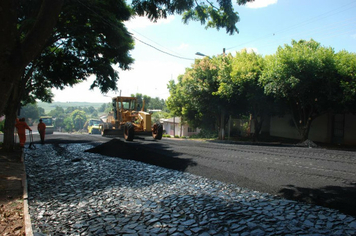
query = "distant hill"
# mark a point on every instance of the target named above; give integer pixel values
(51, 106)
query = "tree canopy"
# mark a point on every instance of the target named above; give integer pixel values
(196, 96)
(304, 75)
(303, 79)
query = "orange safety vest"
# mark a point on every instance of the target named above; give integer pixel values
(21, 127)
(41, 127)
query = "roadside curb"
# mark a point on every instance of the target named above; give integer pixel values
(26, 213)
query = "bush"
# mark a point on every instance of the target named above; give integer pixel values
(205, 134)
(2, 124)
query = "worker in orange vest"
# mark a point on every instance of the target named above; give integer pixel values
(41, 127)
(21, 126)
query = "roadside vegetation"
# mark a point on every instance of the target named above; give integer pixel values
(304, 79)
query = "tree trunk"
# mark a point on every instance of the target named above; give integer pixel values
(10, 79)
(181, 126)
(305, 131)
(11, 114)
(222, 126)
(258, 127)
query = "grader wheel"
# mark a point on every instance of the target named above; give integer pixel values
(129, 131)
(157, 131)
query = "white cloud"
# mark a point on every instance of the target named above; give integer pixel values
(260, 3)
(183, 46)
(150, 78)
(353, 36)
(143, 22)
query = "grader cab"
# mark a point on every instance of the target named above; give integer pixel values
(128, 119)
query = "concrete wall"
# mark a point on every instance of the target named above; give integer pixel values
(281, 127)
(321, 129)
(350, 129)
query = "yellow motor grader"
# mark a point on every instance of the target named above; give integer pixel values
(128, 119)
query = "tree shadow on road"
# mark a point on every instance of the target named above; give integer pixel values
(153, 153)
(336, 197)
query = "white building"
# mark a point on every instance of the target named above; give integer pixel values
(174, 127)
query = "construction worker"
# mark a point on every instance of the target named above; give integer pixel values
(21, 130)
(41, 127)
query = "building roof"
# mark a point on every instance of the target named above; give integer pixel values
(172, 120)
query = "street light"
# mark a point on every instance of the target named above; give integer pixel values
(200, 54)
(203, 55)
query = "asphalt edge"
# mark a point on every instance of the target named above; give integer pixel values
(26, 213)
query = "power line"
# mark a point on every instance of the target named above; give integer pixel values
(184, 58)
(154, 42)
(147, 44)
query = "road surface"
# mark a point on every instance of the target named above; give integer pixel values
(313, 175)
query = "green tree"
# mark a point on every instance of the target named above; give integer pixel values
(304, 75)
(156, 103)
(57, 112)
(91, 110)
(41, 111)
(108, 108)
(94, 114)
(59, 123)
(244, 90)
(59, 115)
(30, 112)
(78, 118)
(346, 67)
(69, 110)
(177, 99)
(217, 16)
(196, 96)
(68, 124)
(157, 116)
(150, 103)
(102, 107)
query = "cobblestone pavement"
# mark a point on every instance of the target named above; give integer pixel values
(77, 193)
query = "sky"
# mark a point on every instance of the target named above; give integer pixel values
(163, 50)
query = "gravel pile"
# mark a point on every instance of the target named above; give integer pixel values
(72, 192)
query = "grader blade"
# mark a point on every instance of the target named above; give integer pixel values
(113, 132)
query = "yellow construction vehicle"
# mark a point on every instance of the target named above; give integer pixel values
(128, 119)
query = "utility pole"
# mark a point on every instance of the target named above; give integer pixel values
(174, 126)
(223, 115)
